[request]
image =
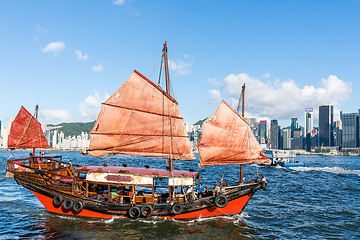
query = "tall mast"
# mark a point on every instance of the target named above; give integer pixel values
(36, 116)
(242, 95)
(243, 101)
(167, 79)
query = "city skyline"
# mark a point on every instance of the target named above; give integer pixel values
(291, 55)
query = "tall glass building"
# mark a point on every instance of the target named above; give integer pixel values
(274, 134)
(326, 131)
(350, 130)
(262, 132)
(308, 120)
(294, 126)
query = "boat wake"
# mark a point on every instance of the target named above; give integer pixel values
(337, 170)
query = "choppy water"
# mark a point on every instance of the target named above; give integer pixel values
(320, 201)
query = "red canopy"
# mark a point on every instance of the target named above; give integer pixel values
(26, 132)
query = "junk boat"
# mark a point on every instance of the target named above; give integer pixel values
(283, 158)
(142, 119)
(26, 133)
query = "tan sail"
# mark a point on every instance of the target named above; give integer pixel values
(26, 132)
(226, 138)
(140, 119)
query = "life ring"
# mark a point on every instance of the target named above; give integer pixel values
(177, 208)
(146, 210)
(78, 206)
(263, 185)
(134, 212)
(58, 199)
(68, 204)
(221, 200)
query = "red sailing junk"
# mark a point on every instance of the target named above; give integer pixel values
(26, 133)
(141, 119)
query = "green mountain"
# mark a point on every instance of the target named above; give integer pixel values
(200, 122)
(74, 128)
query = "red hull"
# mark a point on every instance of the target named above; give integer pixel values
(233, 207)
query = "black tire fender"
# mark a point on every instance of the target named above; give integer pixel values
(221, 200)
(177, 208)
(146, 210)
(68, 204)
(78, 206)
(58, 199)
(263, 185)
(134, 212)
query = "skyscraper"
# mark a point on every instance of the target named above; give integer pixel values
(326, 119)
(308, 124)
(350, 130)
(262, 132)
(294, 126)
(286, 135)
(274, 134)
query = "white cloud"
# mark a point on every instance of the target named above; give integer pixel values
(80, 56)
(266, 75)
(55, 116)
(98, 68)
(284, 100)
(90, 107)
(54, 47)
(215, 96)
(119, 2)
(180, 67)
(40, 29)
(213, 81)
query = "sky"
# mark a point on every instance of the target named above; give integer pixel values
(69, 56)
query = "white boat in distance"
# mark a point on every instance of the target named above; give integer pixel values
(284, 158)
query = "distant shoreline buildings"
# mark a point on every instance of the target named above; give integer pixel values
(341, 135)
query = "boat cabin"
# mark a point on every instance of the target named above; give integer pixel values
(134, 185)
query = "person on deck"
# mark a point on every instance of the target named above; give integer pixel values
(201, 191)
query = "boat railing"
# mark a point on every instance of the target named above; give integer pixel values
(35, 162)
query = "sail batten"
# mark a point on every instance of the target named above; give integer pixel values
(139, 110)
(26, 132)
(140, 119)
(226, 138)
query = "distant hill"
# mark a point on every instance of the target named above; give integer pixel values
(74, 128)
(200, 122)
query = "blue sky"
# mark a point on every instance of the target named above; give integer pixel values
(68, 56)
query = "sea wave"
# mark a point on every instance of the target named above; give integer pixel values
(336, 170)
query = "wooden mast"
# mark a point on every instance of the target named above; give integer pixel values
(167, 80)
(36, 116)
(243, 115)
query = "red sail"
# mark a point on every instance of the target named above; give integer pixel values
(226, 138)
(26, 132)
(140, 119)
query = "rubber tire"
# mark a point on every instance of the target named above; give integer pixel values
(78, 206)
(177, 208)
(68, 204)
(134, 212)
(218, 201)
(146, 210)
(263, 185)
(58, 199)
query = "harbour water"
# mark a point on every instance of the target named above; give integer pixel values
(319, 201)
